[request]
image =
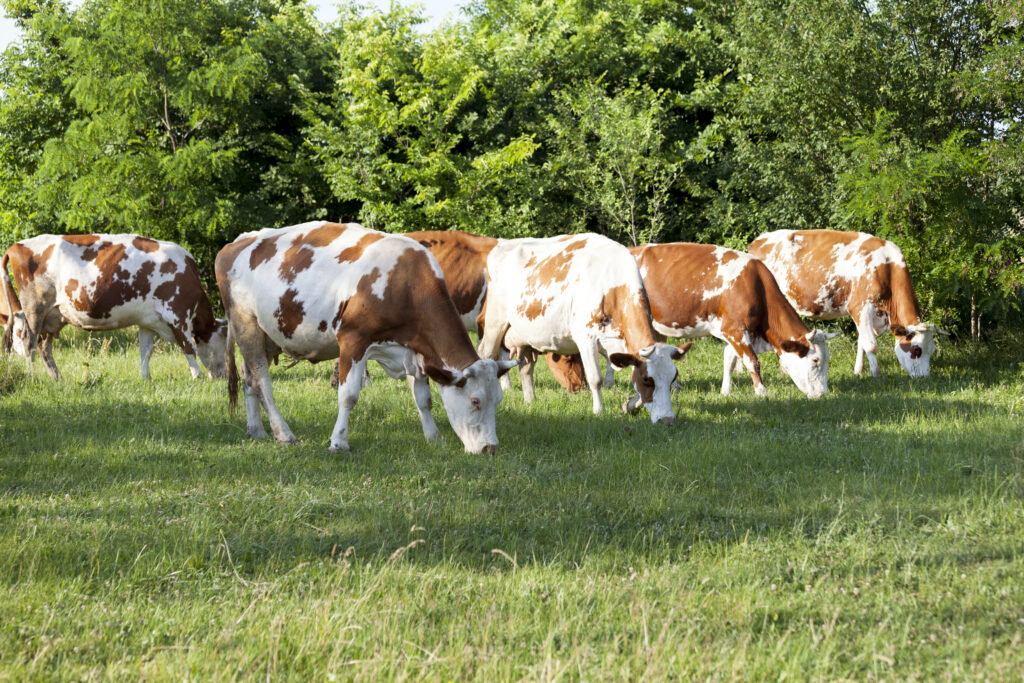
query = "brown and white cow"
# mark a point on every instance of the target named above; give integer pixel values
(319, 291)
(108, 282)
(697, 290)
(577, 294)
(829, 274)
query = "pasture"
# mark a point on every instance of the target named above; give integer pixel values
(875, 533)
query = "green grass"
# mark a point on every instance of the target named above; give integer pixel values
(876, 533)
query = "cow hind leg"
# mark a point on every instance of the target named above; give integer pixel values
(146, 342)
(527, 362)
(256, 382)
(348, 394)
(592, 371)
(729, 358)
(420, 387)
(609, 375)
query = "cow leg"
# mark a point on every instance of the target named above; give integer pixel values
(867, 341)
(348, 395)
(609, 375)
(46, 352)
(420, 387)
(592, 371)
(729, 358)
(506, 379)
(753, 365)
(146, 342)
(527, 362)
(256, 380)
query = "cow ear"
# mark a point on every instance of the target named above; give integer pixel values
(622, 360)
(680, 351)
(445, 377)
(505, 365)
(900, 331)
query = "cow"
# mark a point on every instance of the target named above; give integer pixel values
(697, 290)
(577, 294)
(108, 282)
(830, 274)
(319, 291)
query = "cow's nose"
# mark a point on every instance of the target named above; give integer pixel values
(667, 421)
(490, 449)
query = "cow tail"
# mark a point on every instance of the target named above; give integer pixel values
(7, 341)
(231, 370)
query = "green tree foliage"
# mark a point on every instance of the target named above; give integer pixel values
(182, 119)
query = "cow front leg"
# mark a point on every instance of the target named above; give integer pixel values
(729, 358)
(146, 342)
(253, 415)
(420, 387)
(867, 338)
(348, 394)
(609, 375)
(46, 352)
(592, 371)
(753, 365)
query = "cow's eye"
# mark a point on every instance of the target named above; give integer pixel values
(475, 401)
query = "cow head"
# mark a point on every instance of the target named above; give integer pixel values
(915, 345)
(470, 398)
(211, 352)
(806, 362)
(654, 370)
(18, 338)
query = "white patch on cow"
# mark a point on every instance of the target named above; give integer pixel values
(726, 272)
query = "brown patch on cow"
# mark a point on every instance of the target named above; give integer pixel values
(463, 260)
(114, 286)
(263, 252)
(322, 326)
(168, 267)
(296, 259)
(554, 268)
(82, 240)
(187, 300)
(324, 235)
(798, 347)
(532, 309)
(289, 313)
(355, 252)
(145, 244)
(26, 264)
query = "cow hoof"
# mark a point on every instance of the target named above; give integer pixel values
(331, 448)
(761, 390)
(286, 441)
(432, 437)
(631, 407)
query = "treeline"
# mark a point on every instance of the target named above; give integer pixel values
(646, 120)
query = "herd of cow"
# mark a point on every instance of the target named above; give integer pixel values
(323, 291)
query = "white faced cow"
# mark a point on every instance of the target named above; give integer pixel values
(108, 282)
(696, 290)
(578, 294)
(319, 291)
(829, 274)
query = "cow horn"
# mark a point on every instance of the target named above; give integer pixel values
(647, 351)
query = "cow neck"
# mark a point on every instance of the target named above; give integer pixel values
(635, 321)
(783, 322)
(903, 307)
(440, 336)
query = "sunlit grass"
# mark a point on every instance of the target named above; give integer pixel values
(877, 532)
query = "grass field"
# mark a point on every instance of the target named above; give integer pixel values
(875, 533)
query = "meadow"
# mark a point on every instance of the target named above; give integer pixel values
(875, 533)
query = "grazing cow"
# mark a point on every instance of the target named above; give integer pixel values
(829, 274)
(319, 291)
(577, 294)
(107, 282)
(698, 290)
